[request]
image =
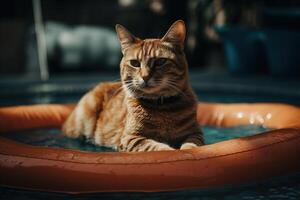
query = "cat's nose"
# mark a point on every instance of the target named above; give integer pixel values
(144, 81)
(146, 78)
(146, 75)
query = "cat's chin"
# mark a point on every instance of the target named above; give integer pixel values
(149, 93)
(150, 96)
(144, 96)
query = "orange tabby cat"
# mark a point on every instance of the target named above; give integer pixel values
(153, 107)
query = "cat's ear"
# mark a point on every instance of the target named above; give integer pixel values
(176, 34)
(125, 37)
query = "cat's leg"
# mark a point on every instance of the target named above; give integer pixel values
(82, 121)
(192, 141)
(138, 143)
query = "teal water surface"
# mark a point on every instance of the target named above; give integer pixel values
(54, 138)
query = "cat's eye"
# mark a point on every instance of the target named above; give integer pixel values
(159, 62)
(135, 63)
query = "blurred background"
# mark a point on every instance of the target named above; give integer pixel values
(245, 36)
(231, 45)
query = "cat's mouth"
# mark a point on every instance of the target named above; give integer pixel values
(144, 89)
(151, 86)
(154, 89)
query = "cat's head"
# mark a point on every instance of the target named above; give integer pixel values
(154, 68)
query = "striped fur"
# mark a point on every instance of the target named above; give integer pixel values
(152, 108)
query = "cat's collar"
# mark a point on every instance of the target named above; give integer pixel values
(160, 101)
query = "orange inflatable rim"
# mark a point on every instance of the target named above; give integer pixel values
(237, 161)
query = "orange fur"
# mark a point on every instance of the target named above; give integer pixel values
(152, 108)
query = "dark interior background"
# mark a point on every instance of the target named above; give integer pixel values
(148, 18)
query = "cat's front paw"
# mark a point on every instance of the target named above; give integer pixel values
(188, 145)
(164, 147)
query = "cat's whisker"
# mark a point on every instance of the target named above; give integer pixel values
(160, 81)
(128, 81)
(175, 87)
(117, 90)
(134, 90)
(129, 87)
(177, 90)
(121, 87)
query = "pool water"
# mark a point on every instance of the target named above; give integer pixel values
(54, 138)
(215, 134)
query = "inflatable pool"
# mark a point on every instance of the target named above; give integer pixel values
(238, 161)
